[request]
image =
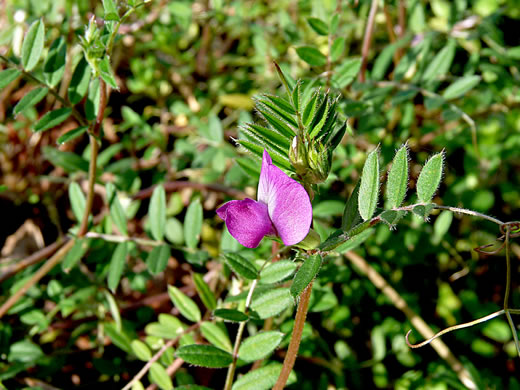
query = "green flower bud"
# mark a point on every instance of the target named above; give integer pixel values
(320, 162)
(298, 156)
(311, 162)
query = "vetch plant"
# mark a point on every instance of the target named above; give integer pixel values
(155, 277)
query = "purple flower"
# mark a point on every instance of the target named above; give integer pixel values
(283, 209)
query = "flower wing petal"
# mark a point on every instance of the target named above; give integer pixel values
(287, 201)
(247, 221)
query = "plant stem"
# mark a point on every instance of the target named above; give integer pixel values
(36, 257)
(296, 337)
(367, 39)
(469, 212)
(231, 370)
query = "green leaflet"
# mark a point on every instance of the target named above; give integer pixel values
(193, 224)
(157, 213)
(186, 305)
(430, 178)
(311, 55)
(7, 76)
(33, 45)
(52, 119)
(204, 356)
(231, 315)
(32, 98)
(305, 275)
(263, 378)
(369, 187)
(117, 264)
(241, 266)
(206, 295)
(159, 375)
(157, 259)
(272, 302)
(276, 272)
(216, 335)
(259, 346)
(397, 181)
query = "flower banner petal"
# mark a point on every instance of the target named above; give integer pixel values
(287, 201)
(247, 221)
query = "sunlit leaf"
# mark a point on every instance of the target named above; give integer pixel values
(33, 45)
(117, 264)
(305, 275)
(369, 187)
(157, 259)
(259, 346)
(32, 98)
(204, 356)
(263, 378)
(187, 307)
(157, 212)
(430, 178)
(193, 224)
(397, 181)
(159, 376)
(206, 295)
(272, 302)
(7, 76)
(461, 87)
(216, 335)
(52, 119)
(241, 265)
(311, 55)
(276, 272)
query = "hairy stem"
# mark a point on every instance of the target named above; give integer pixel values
(367, 39)
(296, 337)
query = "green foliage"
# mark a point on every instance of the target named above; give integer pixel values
(259, 346)
(157, 212)
(430, 178)
(185, 84)
(204, 356)
(397, 182)
(272, 302)
(241, 265)
(33, 45)
(305, 275)
(52, 119)
(262, 378)
(186, 306)
(369, 186)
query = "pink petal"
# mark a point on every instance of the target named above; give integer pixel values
(287, 201)
(247, 221)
